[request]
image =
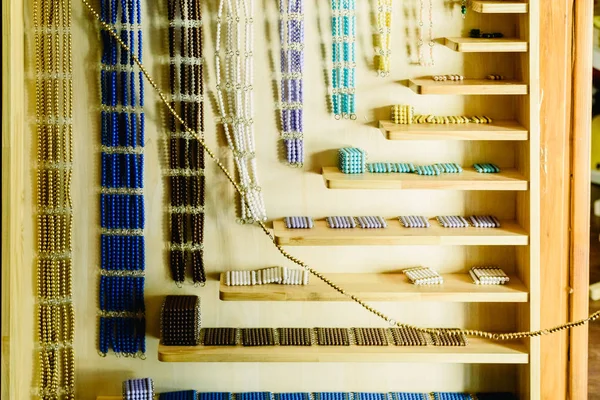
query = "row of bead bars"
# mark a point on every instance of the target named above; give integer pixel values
(234, 65)
(186, 174)
(54, 112)
(191, 394)
(121, 294)
(291, 32)
(383, 37)
(343, 73)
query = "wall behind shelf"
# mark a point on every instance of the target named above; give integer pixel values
(287, 191)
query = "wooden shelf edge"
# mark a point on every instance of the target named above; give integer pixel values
(474, 87)
(479, 351)
(506, 130)
(381, 287)
(481, 45)
(468, 180)
(498, 7)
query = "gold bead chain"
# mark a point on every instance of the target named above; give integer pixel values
(54, 110)
(455, 332)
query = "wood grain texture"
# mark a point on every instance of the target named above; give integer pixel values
(509, 234)
(467, 87)
(499, 7)
(497, 130)
(478, 351)
(481, 45)
(381, 287)
(469, 179)
(580, 193)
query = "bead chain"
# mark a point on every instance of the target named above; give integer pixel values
(121, 287)
(186, 162)
(235, 100)
(343, 57)
(383, 37)
(284, 253)
(54, 112)
(291, 32)
(421, 41)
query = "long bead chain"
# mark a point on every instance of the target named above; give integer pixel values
(383, 37)
(291, 31)
(121, 289)
(54, 112)
(421, 42)
(235, 101)
(343, 78)
(186, 174)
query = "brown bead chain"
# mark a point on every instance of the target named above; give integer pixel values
(211, 154)
(186, 157)
(54, 110)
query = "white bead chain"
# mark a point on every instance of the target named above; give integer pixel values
(235, 99)
(383, 34)
(421, 41)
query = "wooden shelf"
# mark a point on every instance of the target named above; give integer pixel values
(510, 234)
(469, 179)
(467, 87)
(498, 7)
(381, 287)
(481, 45)
(479, 351)
(498, 130)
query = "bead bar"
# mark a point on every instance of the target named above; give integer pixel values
(423, 276)
(488, 276)
(138, 389)
(180, 321)
(352, 160)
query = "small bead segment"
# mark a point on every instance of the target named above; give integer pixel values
(414, 221)
(299, 222)
(442, 78)
(423, 276)
(402, 114)
(408, 337)
(295, 336)
(486, 168)
(343, 57)
(350, 396)
(121, 294)
(484, 221)
(291, 31)
(382, 37)
(180, 321)
(453, 221)
(451, 119)
(448, 337)
(258, 337)
(409, 396)
(370, 336)
(277, 275)
(495, 77)
(219, 336)
(332, 336)
(181, 395)
(476, 33)
(352, 160)
(488, 276)
(371, 222)
(138, 389)
(54, 310)
(450, 396)
(186, 176)
(341, 222)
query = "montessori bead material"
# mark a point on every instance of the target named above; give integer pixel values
(180, 321)
(138, 389)
(383, 35)
(180, 395)
(414, 221)
(486, 168)
(495, 77)
(278, 275)
(343, 57)
(423, 276)
(476, 33)
(488, 276)
(299, 222)
(352, 160)
(402, 114)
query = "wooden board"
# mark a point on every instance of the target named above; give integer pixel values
(467, 87)
(479, 351)
(469, 179)
(510, 234)
(482, 45)
(497, 130)
(498, 7)
(380, 287)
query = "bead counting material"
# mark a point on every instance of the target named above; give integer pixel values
(383, 37)
(434, 169)
(295, 336)
(258, 337)
(432, 119)
(370, 337)
(484, 221)
(291, 32)
(352, 160)
(476, 33)
(343, 57)
(414, 221)
(219, 336)
(423, 276)
(445, 338)
(181, 395)
(299, 222)
(431, 40)
(450, 396)
(486, 168)
(337, 396)
(409, 337)
(371, 222)
(121, 294)
(333, 337)
(138, 389)
(280, 275)
(341, 222)
(402, 114)
(453, 221)
(441, 78)
(495, 77)
(186, 157)
(488, 276)
(180, 321)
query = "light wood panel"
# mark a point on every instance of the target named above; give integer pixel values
(478, 351)
(497, 130)
(595, 291)
(469, 179)
(499, 7)
(509, 234)
(380, 287)
(482, 45)
(467, 87)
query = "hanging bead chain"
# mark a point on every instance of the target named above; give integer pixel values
(422, 61)
(291, 31)
(343, 79)
(383, 37)
(234, 64)
(54, 112)
(186, 174)
(121, 290)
